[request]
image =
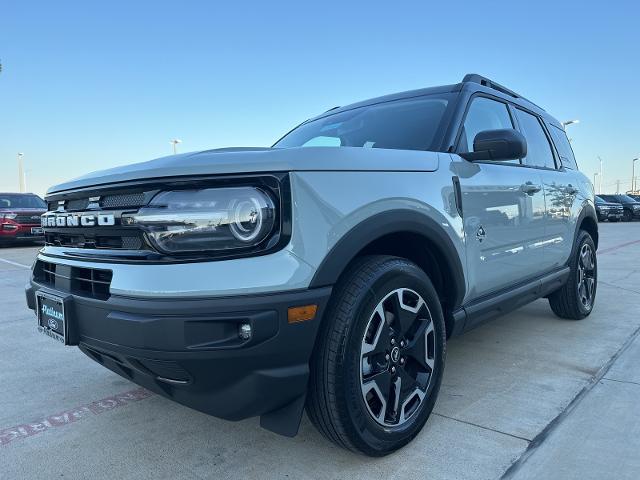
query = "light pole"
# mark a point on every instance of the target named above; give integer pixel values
(175, 142)
(601, 173)
(21, 181)
(594, 180)
(633, 175)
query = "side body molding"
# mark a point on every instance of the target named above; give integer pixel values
(386, 223)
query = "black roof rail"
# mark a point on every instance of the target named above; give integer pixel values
(475, 78)
(487, 82)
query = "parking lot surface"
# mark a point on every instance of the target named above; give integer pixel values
(527, 396)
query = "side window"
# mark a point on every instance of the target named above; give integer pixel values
(539, 153)
(564, 147)
(483, 114)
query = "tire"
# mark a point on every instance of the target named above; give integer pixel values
(356, 352)
(613, 219)
(626, 216)
(569, 301)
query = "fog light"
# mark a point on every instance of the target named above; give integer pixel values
(244, 332)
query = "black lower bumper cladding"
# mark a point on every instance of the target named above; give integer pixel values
(190, 350)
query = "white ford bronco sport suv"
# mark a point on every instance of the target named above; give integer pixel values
(327, 271)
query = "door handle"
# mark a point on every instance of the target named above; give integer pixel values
(571, 190)
(529, 188)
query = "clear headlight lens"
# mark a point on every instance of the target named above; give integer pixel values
(205, 220)
(8, 216)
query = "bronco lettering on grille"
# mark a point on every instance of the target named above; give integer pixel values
(75, 220)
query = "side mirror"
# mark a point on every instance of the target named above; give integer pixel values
(497, 145)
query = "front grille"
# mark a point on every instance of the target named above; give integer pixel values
(76, 204)
(131, 241)
(123, 200)
(108, 201)
(96, 237)
(27, 219)
(86, 282)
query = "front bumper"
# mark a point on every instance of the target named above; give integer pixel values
(15, 232)
(610, 215)
(189, 350)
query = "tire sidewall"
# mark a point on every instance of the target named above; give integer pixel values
(583, 239)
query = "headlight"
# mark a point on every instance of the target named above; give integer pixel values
(8, 216)
(212, 219)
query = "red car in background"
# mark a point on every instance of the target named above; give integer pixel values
(20, 217)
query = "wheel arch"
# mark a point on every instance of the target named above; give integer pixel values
(588, 221)
(408, 234)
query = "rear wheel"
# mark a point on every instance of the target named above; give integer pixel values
(378, 364)
(576, 298)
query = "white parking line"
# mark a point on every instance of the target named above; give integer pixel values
(15, 264)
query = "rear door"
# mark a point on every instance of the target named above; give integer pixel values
(560, 188)
(502, 204)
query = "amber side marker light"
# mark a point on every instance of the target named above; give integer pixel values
(301, 314)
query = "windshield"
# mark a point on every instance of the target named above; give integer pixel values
(409, 124)
(599, 200)
(21, 201)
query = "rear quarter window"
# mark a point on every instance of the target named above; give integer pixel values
(563, 146)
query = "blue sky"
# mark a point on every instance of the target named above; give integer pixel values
(86, 86)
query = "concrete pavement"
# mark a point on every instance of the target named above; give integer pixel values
(599, 437)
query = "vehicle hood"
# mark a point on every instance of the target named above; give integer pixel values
(24, 215)
(608, 204)
(23, 211)
(257, 160)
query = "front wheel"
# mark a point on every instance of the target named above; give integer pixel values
(576, 298)
(627, 216)
(379, 358)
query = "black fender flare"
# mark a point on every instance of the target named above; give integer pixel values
(588, 211)
(386, 223)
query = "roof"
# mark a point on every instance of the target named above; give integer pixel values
(471, 81)
(393, 96)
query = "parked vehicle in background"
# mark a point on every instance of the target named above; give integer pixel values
(608, 210)
(636, 197)
(326, 271)
(20, 217)
(630, 205)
